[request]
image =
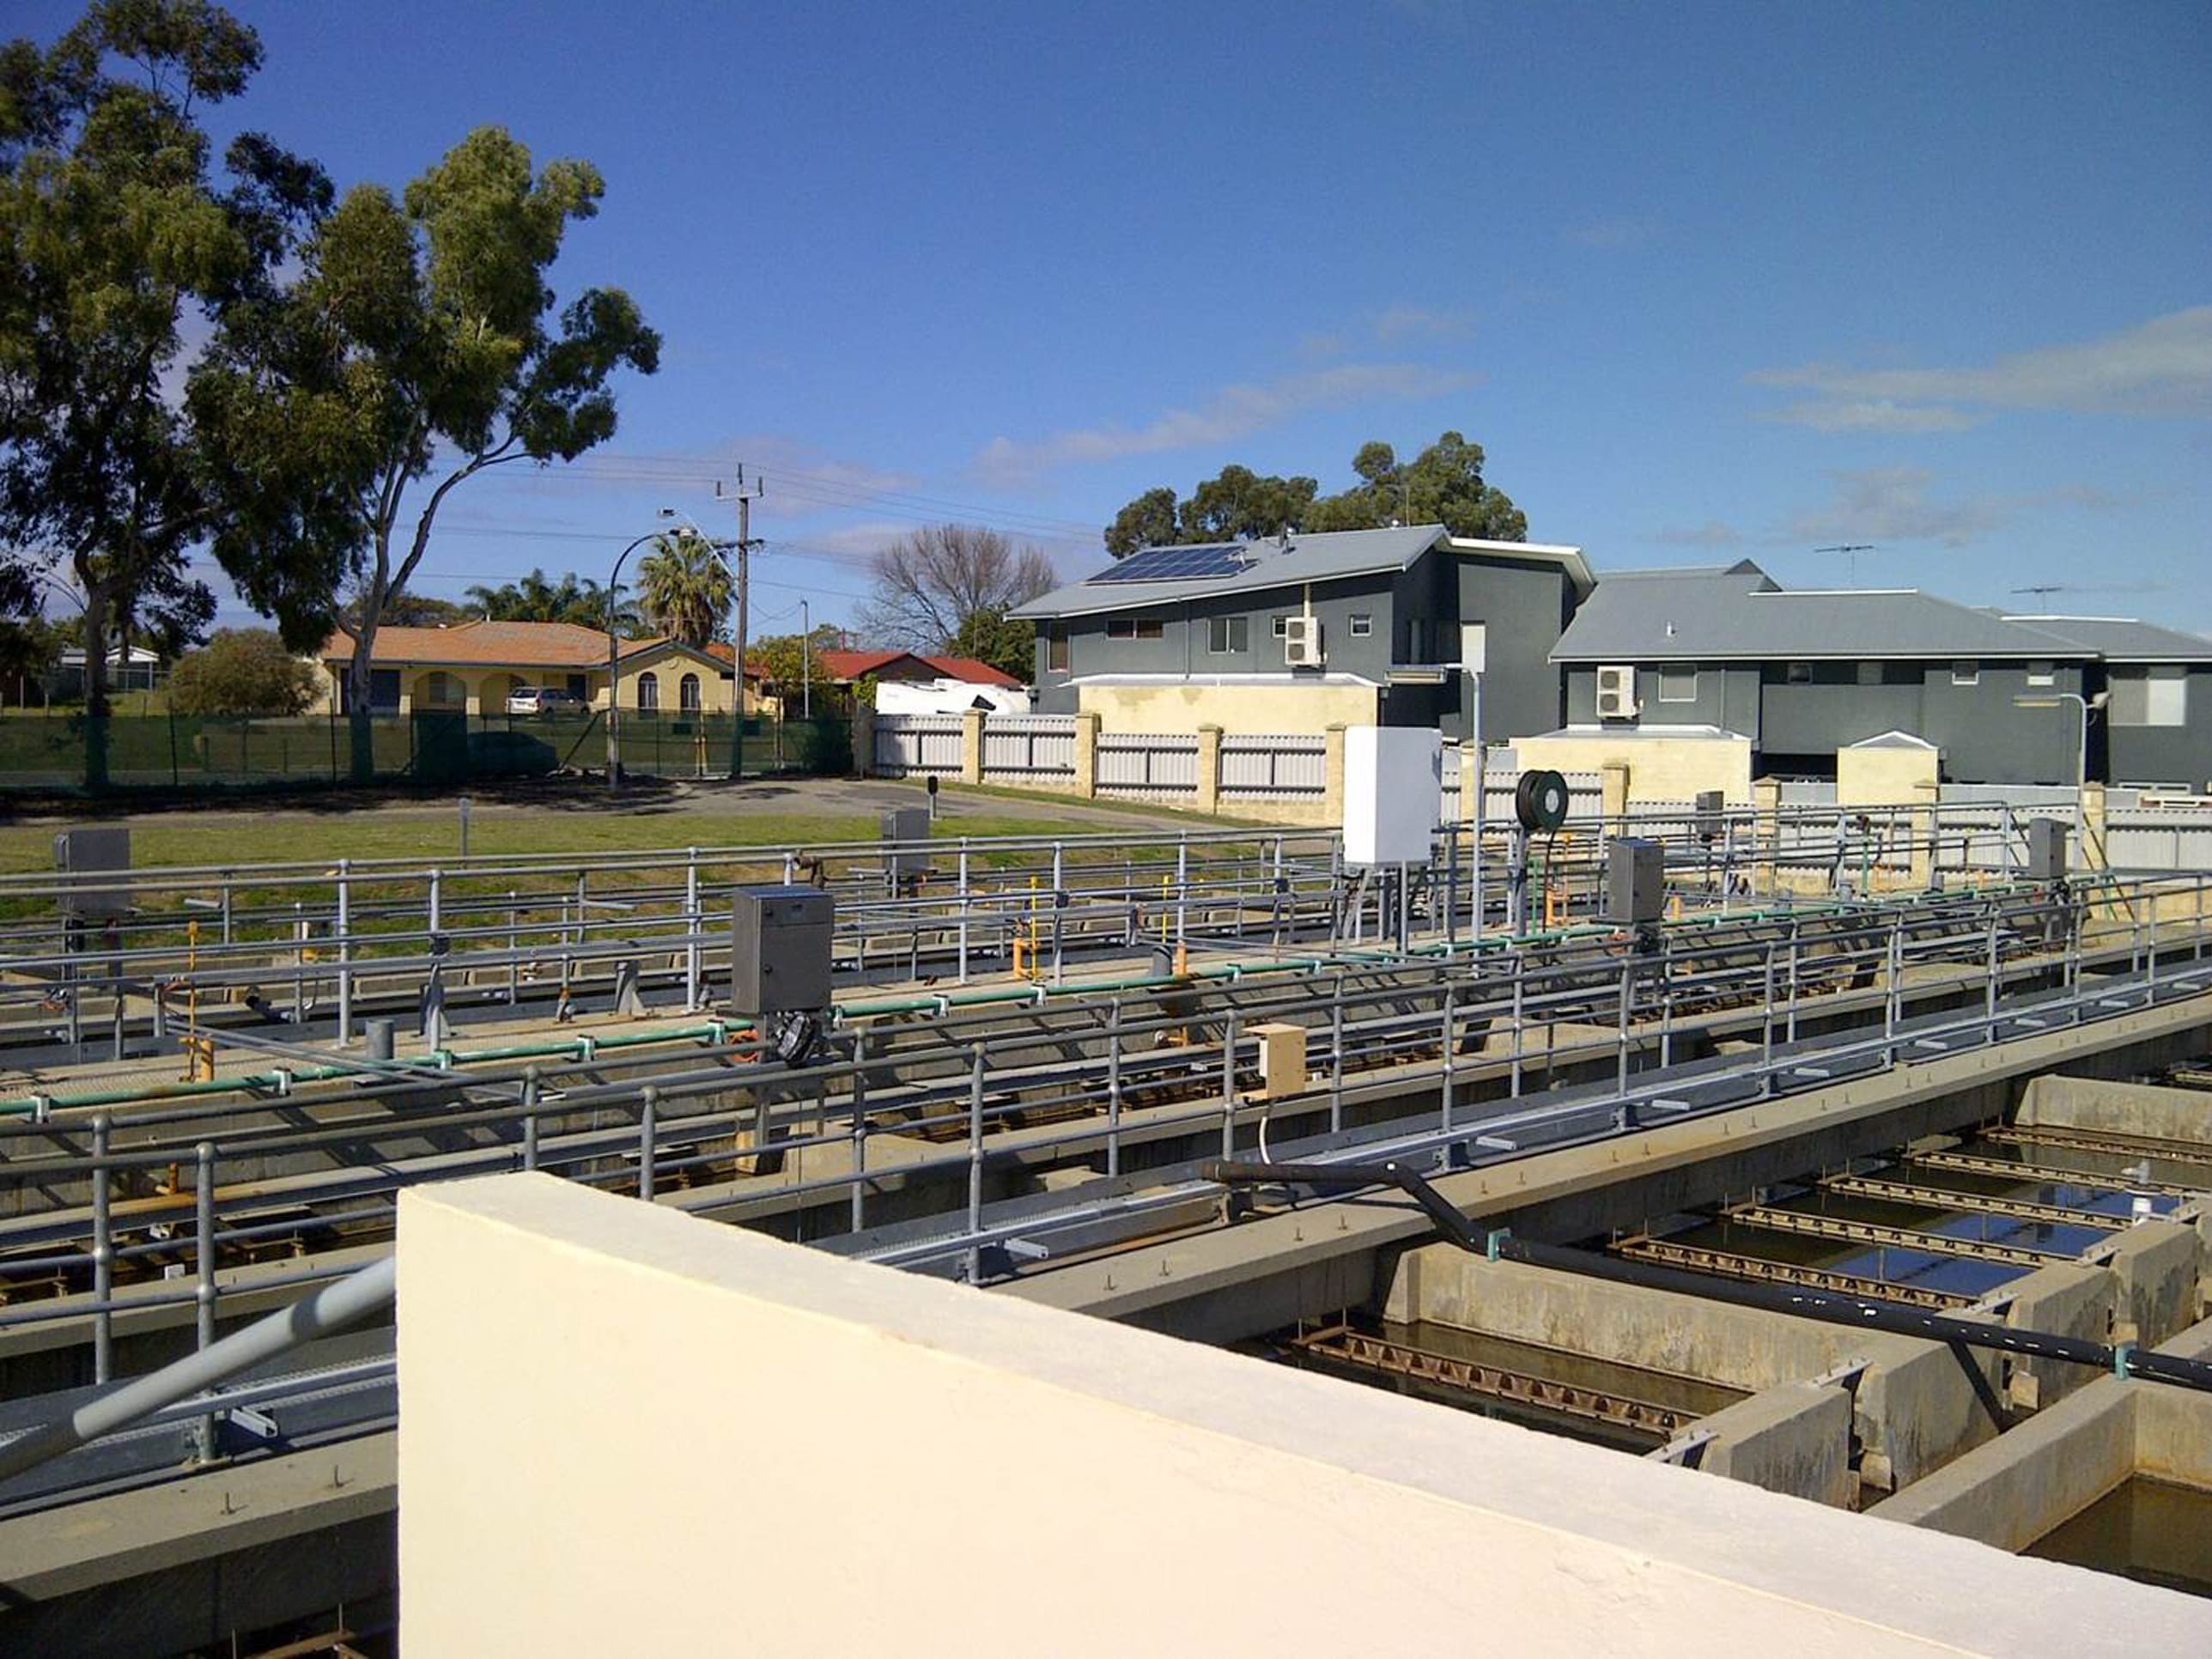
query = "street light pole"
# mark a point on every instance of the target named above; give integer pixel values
(614, 667)
(2057, 699)
(805, 663)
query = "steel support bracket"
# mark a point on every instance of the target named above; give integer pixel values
(1494, 1238)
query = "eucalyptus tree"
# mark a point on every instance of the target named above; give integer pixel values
(416, 347)
(118, 237)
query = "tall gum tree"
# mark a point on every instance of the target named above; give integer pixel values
(115, 230)
(417, 347)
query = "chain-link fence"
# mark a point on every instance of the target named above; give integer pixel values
(53, 752)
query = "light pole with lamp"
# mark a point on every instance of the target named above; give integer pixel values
(614, 651)
(721, 551)
(2059, 700)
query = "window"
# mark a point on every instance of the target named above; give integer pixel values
(1965, 673)
(2042, 673)
(648, 690)
(687, 694)
(1801, 673)
(1282, 628)
(1227, 636)
(1132, 628)
(1678, 685)
(1362, 625)
(2150, 696)
(1056, 652)
(1413, 640)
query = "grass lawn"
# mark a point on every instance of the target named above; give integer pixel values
(288, 838)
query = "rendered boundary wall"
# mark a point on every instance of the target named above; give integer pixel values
(886, 1462)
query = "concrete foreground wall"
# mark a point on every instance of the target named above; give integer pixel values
(626, 1430)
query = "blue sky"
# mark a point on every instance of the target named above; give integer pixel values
(1707, 282)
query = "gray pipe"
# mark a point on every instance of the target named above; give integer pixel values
(333, 1308)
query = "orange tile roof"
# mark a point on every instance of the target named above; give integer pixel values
(504, 644)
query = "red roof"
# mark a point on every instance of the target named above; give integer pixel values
(855, 665)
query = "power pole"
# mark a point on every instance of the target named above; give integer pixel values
(805, 663)
(744, 496)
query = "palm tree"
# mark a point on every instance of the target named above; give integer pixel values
(536, 598)
(683, 588)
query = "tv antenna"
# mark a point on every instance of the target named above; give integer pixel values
(1851, 550)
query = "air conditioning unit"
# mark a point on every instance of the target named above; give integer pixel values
(1616, 693)
(1302, 642)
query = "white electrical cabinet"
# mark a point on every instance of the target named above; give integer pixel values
(1393, 788)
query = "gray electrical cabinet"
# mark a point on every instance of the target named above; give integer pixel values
(906, 824)
(1710, 805)
(90, 852)
(1635, 881)
(780, 949)
(2046, 850)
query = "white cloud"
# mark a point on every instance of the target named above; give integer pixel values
(2162, 368)
(1894, 504)
(1234, 411)
(1873, 415)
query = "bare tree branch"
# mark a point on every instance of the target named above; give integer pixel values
(930, 582)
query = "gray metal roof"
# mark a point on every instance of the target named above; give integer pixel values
(2123, 639)
(1268, 563)
(1739, 613)
(1323, 556)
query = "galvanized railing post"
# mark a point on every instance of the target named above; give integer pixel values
(1790, 1027)
(1182, 888)
(1766, 1026)
(1627, 964)
(976, 1165)
(345, 951)
(857, 1208)
(1229, 1088)
(203, 1294)
(437, 909)
(1520, 1006)
(648, 1129)
(103, 1255)
(1336, 1054)
(1450, 1054)
(963, 976)
(1058, 909)
(513, 951)
(529, 1117)
(693, 922)
(1114, 1088)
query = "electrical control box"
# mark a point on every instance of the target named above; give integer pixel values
(2046, 850)
(780, 949)
(906, 824)
(1711, 803)
(96, 852)
(1393, 791)
(1635, 881)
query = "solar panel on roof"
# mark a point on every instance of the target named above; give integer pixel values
(1159, 564)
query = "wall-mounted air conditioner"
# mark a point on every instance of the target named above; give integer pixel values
(1302, 642)
(1616, 693)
